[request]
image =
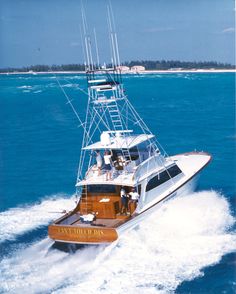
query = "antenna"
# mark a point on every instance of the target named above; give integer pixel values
(87, 40)
(112, 43)
(83, 49)
(113, 37)
(96, 47)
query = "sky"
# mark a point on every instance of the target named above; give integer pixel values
(48, 31)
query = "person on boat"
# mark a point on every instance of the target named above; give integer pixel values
(124, 201)
(134, 196)
(107, 166)
(99, 161)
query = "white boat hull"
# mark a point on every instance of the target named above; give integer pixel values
(187, 188)
(70, 230)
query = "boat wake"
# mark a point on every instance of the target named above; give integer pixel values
(19, 220)
(173, 245)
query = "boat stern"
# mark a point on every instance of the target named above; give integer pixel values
(82, 234)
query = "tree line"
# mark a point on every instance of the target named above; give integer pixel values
(148, 64)
(174, 64)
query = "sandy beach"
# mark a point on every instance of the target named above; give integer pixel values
(129, 72)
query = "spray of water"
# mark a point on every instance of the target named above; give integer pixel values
(16, 221)
(173, 245)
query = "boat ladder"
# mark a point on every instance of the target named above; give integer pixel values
(117, 124)
(115, 116)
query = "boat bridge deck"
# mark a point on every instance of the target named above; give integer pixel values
(124, 177)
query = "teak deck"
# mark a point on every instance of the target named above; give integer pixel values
(70, 228)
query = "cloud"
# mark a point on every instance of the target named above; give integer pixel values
(155, 30)
(228, 30)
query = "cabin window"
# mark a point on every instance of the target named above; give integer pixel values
(139, 189)
(134, 153)
(101, 189)
(174, 170)
(163, 177)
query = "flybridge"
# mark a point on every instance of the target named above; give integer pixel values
(103, 85)
(118, 143)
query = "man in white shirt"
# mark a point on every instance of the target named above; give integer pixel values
(107, 166)
(134, 196)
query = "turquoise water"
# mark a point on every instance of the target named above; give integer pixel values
(191, 246)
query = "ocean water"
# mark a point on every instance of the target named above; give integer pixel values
(188, 246)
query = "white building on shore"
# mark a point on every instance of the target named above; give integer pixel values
(124, 68)
(137, 68)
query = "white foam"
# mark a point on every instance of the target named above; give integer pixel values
(19, 220)
(171, 246)
(37, 270)
(24, 87)
(73, 77)
(70, 85)
(31, 89)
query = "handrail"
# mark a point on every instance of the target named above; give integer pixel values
(144, 163)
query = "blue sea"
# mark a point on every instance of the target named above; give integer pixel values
(187, 246)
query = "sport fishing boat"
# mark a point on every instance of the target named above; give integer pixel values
(123, 175)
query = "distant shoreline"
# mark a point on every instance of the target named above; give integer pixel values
(127, 72)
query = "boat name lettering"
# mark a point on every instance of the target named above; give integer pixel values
(80, 231)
